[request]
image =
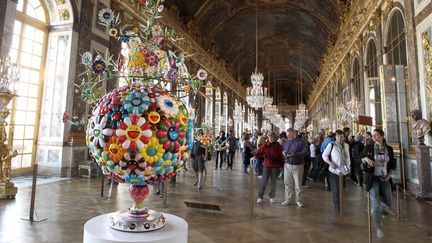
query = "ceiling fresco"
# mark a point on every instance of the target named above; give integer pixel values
(292, 37)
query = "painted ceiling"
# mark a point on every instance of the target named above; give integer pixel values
(292, 38)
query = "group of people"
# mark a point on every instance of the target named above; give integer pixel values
(369, 160)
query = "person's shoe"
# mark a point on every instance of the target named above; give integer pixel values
(200, 187)
(299, 204)
(259, 200)
(157, 193)
(272, 200)
(284, 203)
(379, 233)
(195, 183)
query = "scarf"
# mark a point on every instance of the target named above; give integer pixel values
(343, 155)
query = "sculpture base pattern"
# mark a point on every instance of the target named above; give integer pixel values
(124, 221)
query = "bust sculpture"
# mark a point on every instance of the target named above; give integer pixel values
(420, 127)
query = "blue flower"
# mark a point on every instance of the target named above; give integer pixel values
(134, 179)
(137, 103)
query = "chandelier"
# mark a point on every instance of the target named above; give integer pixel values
(353, 108)
(238, 112)
(302, 113)
(270, 111)
(255, 95)
(9, 74)
(325, 123)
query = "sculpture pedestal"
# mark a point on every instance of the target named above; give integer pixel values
(7, 190)
(97, 230)
(424, 171)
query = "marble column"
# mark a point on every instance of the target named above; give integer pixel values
(424, 171)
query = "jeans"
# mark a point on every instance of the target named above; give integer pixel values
(293, 175)
(268, 173)
(259, 166)
(334, 186)
(230, 159)
(220, 155)
(382, 188)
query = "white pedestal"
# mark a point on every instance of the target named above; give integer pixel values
(96, 230)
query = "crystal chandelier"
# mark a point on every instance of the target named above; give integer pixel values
(255, 95)
(9, 74)
(353, 107)
(302, 113)
(238, 113)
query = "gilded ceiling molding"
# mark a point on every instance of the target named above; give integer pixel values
(358, 21)
(190, 47)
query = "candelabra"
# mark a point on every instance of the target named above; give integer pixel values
(9, 75)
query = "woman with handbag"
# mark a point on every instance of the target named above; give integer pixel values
(273, 162)
(378, 164)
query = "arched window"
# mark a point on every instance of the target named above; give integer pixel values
(217, 111)
(356, 80)
(28, 49)
(374, 107)
(209, 105)
(396, 41)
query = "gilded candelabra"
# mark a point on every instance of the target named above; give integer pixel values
(7, 188)
(9, 75)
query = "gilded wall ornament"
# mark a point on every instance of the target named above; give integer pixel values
(64, 14)
(427, 53)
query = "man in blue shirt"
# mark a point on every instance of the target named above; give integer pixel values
(330, 139)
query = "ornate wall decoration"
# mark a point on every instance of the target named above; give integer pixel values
(427, 55)
(64, 14)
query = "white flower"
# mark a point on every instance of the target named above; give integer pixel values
(202, 74)
(160, 8)
(168, 105)
(87, 58)
(106, 15)
(157, 30)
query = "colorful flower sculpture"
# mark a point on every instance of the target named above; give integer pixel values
(124, 143)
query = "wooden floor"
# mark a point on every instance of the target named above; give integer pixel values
(68, 204)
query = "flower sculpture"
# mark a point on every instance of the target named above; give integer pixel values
(141, 133)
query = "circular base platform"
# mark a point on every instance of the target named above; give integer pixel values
(96, 230)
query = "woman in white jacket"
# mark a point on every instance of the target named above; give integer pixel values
(337, 156)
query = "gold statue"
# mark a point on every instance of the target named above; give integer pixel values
(420, 127)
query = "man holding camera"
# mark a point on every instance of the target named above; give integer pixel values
(295, 150)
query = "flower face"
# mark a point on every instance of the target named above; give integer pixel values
(171, 135)
(87, 58)
(151, 59)
(202, 74)
(114, 150)
(167, 105)
(157, 30)
(133, 133)
(113, 32)
(98, 66)
(134, 179)
(100, 133)
(133, 163)
(152, 151)
(106, 15)
(136, 102)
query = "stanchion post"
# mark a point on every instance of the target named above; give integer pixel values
(369, 217)
(165, 191)
(102, 185)
(251, 192)
(33, 193)
(397, 203)
(341, 190)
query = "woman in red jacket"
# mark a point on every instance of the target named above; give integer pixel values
(273, 162)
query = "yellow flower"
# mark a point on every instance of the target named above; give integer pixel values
(137, 60)
(152, 151)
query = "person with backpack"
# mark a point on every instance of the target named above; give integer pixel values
(337, 155)
(378, 163)
(273, 162)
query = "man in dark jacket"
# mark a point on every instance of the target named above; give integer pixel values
(295, 150)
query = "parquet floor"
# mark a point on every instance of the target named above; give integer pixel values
(68, 204)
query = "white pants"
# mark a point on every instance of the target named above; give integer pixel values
(293, 175)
